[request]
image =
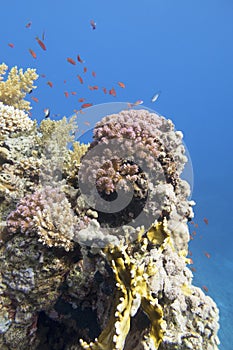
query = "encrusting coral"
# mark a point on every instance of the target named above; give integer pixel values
(78, 269)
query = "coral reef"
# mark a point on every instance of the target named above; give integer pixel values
(94, 238)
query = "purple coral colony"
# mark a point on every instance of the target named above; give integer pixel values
(94, 237)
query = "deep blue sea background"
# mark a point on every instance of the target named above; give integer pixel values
(182, 48)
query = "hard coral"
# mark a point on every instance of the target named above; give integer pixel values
(17, 85)
(48, 213)
(14, 121)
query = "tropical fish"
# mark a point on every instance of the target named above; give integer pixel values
(193, 269)
(46, 112)
(93, 74)
(28, 25)
(79, 59)
(71, 61)
(86, 105)
(155, 96)
(11, 45)
(138, 102)
(35, 99)
(207, 255)
(196, 225)
(87, 123)
(93, 24)
(122, 85)
(81, 99)
(206, 221)
(205, 288)
(43, 35)
(104, 90)
(194, 233)
(50, 83)
(66, 94)
(112, 92)
(73, 93)
(32, 53)
(80, 79)
(43, 75)
(42, 45)
(85, 69)
(95, 87)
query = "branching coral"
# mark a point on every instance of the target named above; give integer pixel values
(17, 85)
(46, 212)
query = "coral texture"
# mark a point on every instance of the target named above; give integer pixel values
(94, 238)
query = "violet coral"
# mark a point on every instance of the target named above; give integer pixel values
(48, 213)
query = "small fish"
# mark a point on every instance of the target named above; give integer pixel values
(190, 261)
(194, 233)
(87, 123)
(156, 96)
(79, 59)
(28, 25)
(11, 45)
(32, 53)
(190, 253)
(104, 90)
(122, 85)
(43, 76)
(43, 35)
(66, 94)
(47, 113)
(50, 83)
(73, 93)
(85, 69)
(206, 221)
(205, 288)
(64, 81)
(93, 24)
(93, 74)
(95, 87)
(71, 61)
(80, 79)
(35, 99)
(196, 225)
(193, 269)
(86, 105)
(42, 45)
(138, 102)
(112, 92)
(192, 222)
(81, 99)
(207, 255)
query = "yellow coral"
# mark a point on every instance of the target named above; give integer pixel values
(132, 293)
(18, 84)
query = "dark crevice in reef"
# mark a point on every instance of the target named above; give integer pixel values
(72, 325)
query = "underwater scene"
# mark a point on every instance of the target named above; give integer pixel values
(116, 175)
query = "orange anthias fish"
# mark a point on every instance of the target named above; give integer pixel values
(104, 90)
(206, 221)
(66, 93)
(207, 255)
(80, 79)
(42, 45)
(122, 85)
(205, 288)
(79, 59)
(32, 53)
(196, 225)
(138, 102)
(71, 61)
(35, 99)
(28, 25)
(81, 99)
(193, 269)
(11, 45)
(86, 105)
(112, 92)
(73, 93)
(85, 69)
(95, 87)
(93, 74)
(50, 83)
